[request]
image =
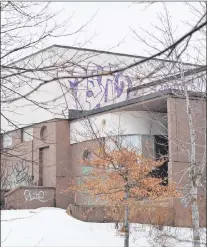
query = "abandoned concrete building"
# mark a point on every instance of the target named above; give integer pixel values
(39, 159)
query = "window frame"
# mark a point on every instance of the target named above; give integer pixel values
(25, 132)
(10, 134)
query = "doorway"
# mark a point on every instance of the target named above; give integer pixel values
(43, 163)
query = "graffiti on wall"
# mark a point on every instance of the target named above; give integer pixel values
(31, 195)
(85, 198)
(101, 90)
(86, 170)
(16, 174)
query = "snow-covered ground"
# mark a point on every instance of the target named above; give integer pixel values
(53, 227)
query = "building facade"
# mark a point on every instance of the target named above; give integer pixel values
(74, 67)
(39, 160)
(51, 158)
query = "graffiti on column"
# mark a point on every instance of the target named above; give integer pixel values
(100, 90)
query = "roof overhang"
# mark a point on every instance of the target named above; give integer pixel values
(155, 102)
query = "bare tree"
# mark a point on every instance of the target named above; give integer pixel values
(25, 28)
(30, 69)
(187, 83)
(22, 79)
(98, 181)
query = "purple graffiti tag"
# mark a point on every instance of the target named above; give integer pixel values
(106, 92)
(107, 84)
(120, 82)
(89, 93)
(102, 90)
(94, 93)
(118, 85)
(74, 86)
(74, 89)
(97, 106)
(129, 85)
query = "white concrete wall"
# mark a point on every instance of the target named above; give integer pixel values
(196, 83)
(90, 93)
(118, 123)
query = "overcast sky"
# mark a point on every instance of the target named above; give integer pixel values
(110, 29)
(113, 20)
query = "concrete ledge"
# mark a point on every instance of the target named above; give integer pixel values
(88, 213)
(158, 214)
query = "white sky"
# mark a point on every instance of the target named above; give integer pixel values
(113, 20)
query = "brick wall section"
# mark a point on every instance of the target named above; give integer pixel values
(179, 137)
(159, 213)
(63, 164)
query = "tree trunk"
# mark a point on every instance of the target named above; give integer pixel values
(193, 174)
(195, 216)
(126, 224)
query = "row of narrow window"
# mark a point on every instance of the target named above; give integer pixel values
(26, 135)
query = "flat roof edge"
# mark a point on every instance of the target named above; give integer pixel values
(76, 114)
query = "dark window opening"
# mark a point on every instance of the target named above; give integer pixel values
(87, 154)
(161, 150)
(40, 181)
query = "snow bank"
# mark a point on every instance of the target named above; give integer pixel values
(53, 227)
